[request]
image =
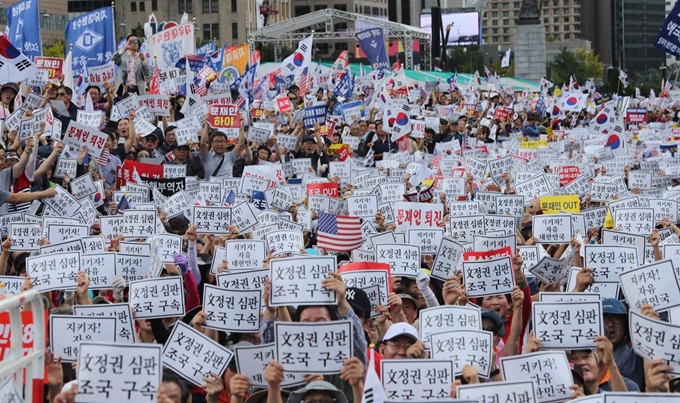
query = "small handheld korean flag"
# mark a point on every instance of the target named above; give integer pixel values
(296, 63)
(623, 77)
(373, 389)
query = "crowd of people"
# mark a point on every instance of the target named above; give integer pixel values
(501, 123)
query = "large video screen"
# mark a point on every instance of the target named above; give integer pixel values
(464, 31)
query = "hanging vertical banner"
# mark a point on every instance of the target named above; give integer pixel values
(171, 44)
(23, 27)
(372, 42)
(93, 39)
(668, 39)
(234, 62)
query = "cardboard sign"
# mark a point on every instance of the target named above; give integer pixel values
(226, 116)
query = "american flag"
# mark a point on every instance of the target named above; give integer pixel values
(122, 205)
(240, 102)
(229, 199)
(436, 160)
(339, 233)
(304, 82)
(104, 159)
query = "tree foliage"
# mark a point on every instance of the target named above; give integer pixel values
(55, 48)
(582, 63)
(466, 59)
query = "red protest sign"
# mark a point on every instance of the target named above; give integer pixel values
(488, 255)
(27, 335)
(256, 113)
(322, 189)
(284, 105)
(501, 114)
(225, 116)
(568, 173)
(51, 64)
(144, 170)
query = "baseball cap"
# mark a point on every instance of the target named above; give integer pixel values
(401, 329)
(10, 86)
(308, 138)
(338, 396)
(497, 322)
(408, 297)
(358, 300)
(11, 155)
(611, 306)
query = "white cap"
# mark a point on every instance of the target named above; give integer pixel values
(401, 329)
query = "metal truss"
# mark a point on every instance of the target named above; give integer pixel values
(298, 28)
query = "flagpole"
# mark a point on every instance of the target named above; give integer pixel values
(113, 23)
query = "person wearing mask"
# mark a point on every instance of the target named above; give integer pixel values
(133, 70)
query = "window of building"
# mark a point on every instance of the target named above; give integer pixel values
(546, 21)
(577, 2)
(494, 6)
(494, 23)
(556, 11)
(494, 14)
(302, 10)
(516, 4)
(546, 11)
(234, 31)
(566, 19)
(556, 28)
(495, 39)
(556, 3)
(577, 27)
(154, 5)
(484, 31)
(577, 18)
(376, 11)
(506, 30)
(234, 6)
(189, 8)
(556, 20)
(133, 6)
(484, 23)
(505, 6)
(506, 39)
(506, 22)
(494, 31)
(566, 36)
(205, 6)
(320, 7)
(565, 11)
(180, 6)
(216, 32)
(342, 25)
(515, 13)
(545, 3)
(506, 14)
(142, 6)
(213, 6)
(557, 37)
(341, 7)
(577, 36)
(356, 9)
(206, 32)
(565, 2)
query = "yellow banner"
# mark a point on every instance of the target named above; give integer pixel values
(235, 59)
(558, 204)
(529, 144)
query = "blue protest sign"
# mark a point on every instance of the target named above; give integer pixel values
(668, 39)
(92, 38)
(314, 114)
(372, 42)
(23, 27)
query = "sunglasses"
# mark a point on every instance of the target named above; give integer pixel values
(61, 94)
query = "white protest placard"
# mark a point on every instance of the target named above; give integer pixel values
(68, 331)
(427, 239)
(489, 277)
(82, 186)
(634, 397)
(64, 204)
(12, 284)
(139, 223)
(100, 269)
(314, 348)
(57, 271)
(158, 104)
(297, 281)
(362, 206)
(57, 233)
(212, 219)
(653, 339)
(498, 392)
(490, 243)
(446, 318)
(252, 360)
(157, 297)
(538, 186)
(244, 254)
(446, 261)
(366, 278)
(260, 132)
(655, 284)
(471, 347)
(25, 236)
(90, 119)
(245, 280)
(421, 215)
(464, 208)
(66, 166)
(284, 242)
(664, 209)
(169, 245)
(610, 237)
(420, 380)
(552, 228)
(464, 228)
(128, 372)
(546, 296)
(548, 370)
(193, 355)
(125, 324)
(511, 205)
(634, 220)
(404, 260)
(232, 310)
(78, 135)
(567, 325)
(243, 216)
(608, 261)
(603, 192)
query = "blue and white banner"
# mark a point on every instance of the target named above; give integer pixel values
(92, 38)
(23, 27)
(208, 47)
(372, 42)
(314, 114)
(668, 39)
(171, 44)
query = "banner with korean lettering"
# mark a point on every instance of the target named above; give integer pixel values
(668, 39)
(93, 39)
(127, 170)
(372, 42)
(23, 27)
(171, 44)
(79, 135)
(51, 64)
(158, 104)
(234, 63)
(224, 116)
(101, 74)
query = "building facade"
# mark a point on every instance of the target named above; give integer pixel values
(53, 18)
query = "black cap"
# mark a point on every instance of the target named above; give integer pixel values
(358, 300)
(308, 138)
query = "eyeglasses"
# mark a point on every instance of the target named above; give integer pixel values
(325, 400)
(221, 141)
(134, 41)
(399, 346)
(61, 94)
(490, 329)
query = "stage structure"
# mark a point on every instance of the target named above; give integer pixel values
(322, 22)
